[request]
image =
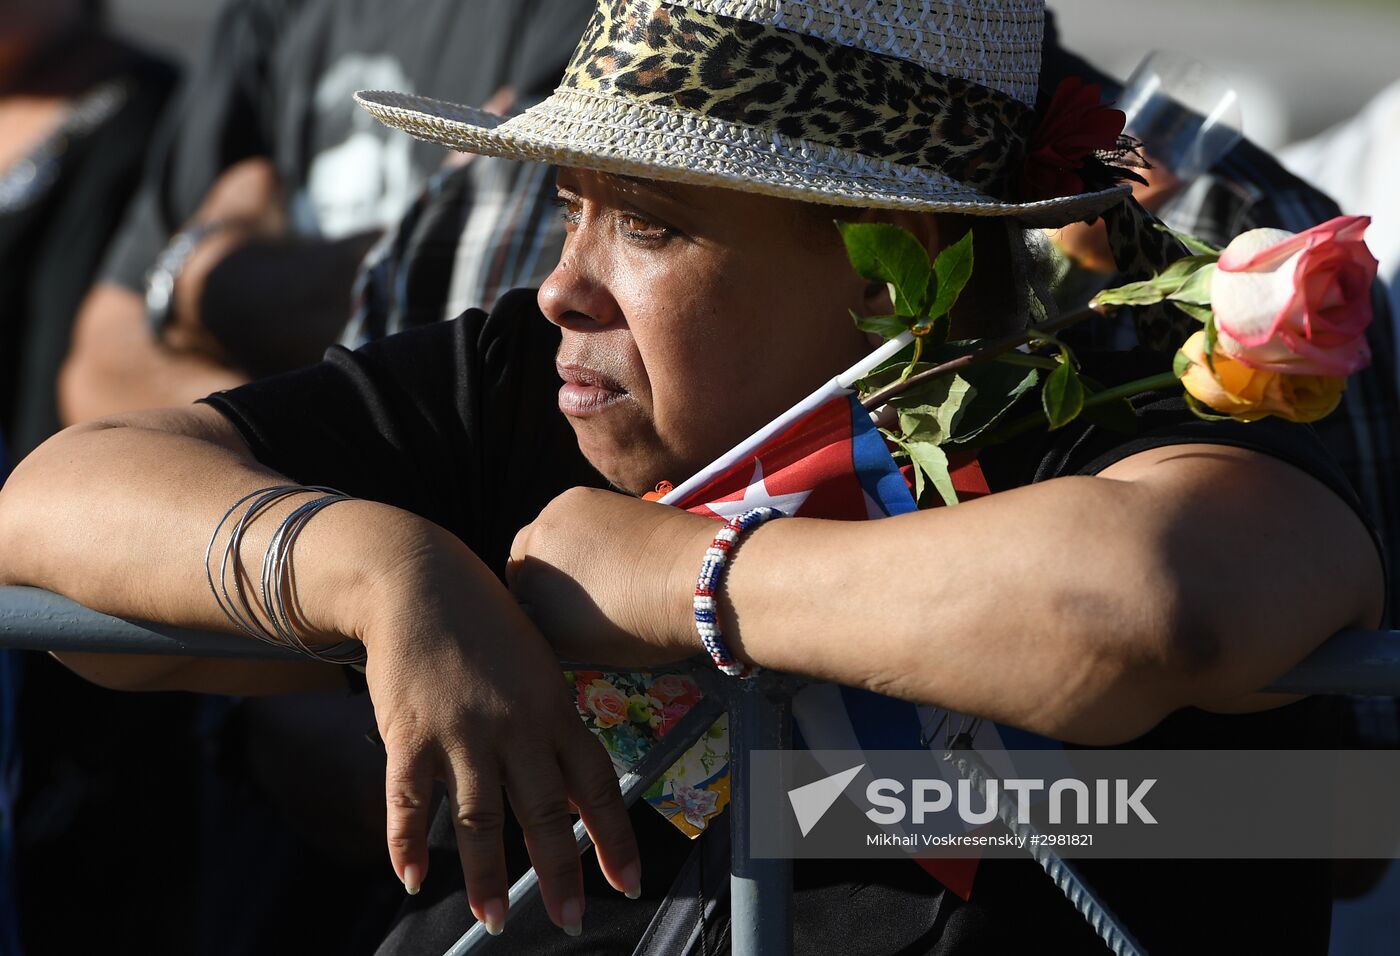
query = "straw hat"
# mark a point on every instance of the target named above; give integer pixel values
(914, 104)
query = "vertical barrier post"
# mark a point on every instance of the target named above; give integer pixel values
(760, 718)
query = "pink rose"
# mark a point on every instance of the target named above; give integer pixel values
(606, 703)
(1297, 304)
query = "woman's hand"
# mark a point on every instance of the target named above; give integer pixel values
(466, 691)
(610, 579)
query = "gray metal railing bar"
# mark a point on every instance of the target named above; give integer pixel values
(760, 890)
(1352, 662)
(37, 620)
(1362, 663)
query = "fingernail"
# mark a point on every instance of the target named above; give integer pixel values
(493, 914)
(632, 881)
(571, 914)
(412, 879)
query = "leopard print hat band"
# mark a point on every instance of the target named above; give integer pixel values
(738, 71)
(883, 103)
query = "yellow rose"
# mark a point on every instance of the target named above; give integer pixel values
(1249, 394)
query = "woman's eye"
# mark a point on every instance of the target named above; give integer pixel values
(570, 210)
(641, 229)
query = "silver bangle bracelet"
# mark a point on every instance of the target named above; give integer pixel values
(275, 591)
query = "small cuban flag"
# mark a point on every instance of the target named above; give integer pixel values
(825, 458)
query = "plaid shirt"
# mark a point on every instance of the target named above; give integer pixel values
(476, 231)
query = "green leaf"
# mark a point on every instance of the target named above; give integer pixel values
(1181, 364)
(1134, 293)
(1203, 411)
(952, 270)
(931, 464)
(1201, 313)
(1169, 282)
(1178, 272)
(1198, 246)
(881, 252)
(885, 326)
(1212, 338)
(934, 420)
(903, 447)
(988, 392)
(1196, 289)
(1063, 396)
(997, 388)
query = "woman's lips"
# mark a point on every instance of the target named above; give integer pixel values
(587, 391)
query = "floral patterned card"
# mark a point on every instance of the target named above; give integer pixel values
(629, 712)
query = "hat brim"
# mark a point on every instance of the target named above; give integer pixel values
(598, 132)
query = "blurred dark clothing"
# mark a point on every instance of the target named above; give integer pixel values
(276, 80)
(59, 207)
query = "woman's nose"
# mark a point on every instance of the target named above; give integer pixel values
(574, 297)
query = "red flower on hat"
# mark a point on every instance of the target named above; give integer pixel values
(1075, 127)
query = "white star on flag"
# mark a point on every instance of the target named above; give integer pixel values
(757, 495)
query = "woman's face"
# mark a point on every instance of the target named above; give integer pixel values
(691, 317)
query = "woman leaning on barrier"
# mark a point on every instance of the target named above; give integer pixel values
(1098, 597)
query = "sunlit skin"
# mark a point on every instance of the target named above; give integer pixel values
(692, 316)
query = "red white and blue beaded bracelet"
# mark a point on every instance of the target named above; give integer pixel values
(707, 585)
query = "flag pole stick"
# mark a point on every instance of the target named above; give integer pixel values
(841, 384)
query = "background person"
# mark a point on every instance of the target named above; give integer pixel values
(77, 107)
(264, 141)
(275, 187)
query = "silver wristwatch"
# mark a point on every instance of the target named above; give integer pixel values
(160, 281)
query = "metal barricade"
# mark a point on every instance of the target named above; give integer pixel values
(1353, 663)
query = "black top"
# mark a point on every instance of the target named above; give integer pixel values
(55, 224)
(457, 422)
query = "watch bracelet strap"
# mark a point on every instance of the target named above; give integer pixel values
(161, 279)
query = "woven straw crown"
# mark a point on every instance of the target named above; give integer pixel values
(920, 104)
(996, 45)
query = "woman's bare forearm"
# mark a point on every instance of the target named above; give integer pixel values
(1084, 608)
(465, 690)
(117, 515)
